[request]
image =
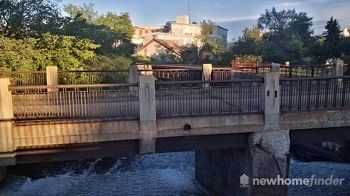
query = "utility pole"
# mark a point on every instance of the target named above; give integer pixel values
(188, 8)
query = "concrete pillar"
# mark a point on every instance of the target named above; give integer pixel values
(267, 156)
(6, 116)
(207, 70)
(51, 75)
(272, 99)
(339, 68)
(148, 123)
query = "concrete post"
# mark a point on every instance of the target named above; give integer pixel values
(6, 115)
(51, 75)
(339, 71)
(148, 123)
(207, 70)
(272, 99)
(339, 68)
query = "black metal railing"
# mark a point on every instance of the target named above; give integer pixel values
(76, 101)
(194, 98)
(93, 77)
(177, 74)
(305, 94)
(221, 74)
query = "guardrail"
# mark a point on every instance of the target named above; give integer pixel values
(177, 74)
(193, 98)
(25, 78)
(307, 94)
(76, 101)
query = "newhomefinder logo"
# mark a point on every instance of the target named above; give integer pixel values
(309, 182)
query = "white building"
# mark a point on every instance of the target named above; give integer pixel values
(182, 32)
(346, 32)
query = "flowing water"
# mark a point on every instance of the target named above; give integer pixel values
(157, 174)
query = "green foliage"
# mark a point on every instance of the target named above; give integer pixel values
(113, 32)
(332, 42)
(66, 52)
(137, 59)
(25, 18)
(101, 62)
(248, 59)
(287, 36)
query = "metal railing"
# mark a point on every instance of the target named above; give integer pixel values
(93, 77)
(306, 94)
(177, 74)
(307, 71)
(194, 98)
(25, 78)
(221, 74)
(76, 101)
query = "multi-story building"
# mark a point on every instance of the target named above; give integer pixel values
(181, 32)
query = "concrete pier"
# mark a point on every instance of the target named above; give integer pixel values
(221, 170)
(267, 156)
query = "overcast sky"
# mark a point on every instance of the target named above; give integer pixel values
(231, 14)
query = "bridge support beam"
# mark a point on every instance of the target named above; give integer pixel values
(148, 123)
(6, 116)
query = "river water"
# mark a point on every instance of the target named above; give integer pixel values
(157, 174)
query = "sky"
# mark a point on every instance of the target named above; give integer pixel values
(234, 15)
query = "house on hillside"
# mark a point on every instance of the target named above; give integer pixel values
(158, 49)
(181, 31)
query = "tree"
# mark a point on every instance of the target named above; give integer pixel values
(25, 18)
(288, 35)
(113, 32)
(332, 42)
(66, 52)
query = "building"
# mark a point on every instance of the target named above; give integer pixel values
(180, 32)
(346, 32)
(158, 49)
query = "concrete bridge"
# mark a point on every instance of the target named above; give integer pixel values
(235, 126)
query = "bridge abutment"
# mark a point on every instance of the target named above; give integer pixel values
(267, 156)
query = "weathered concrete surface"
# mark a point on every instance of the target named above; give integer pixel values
(272, 101)
(61, 133)
(148, 121)
(209, 125)
(266, 157)
(315, 119)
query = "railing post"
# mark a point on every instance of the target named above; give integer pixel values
(148, 121)
(207, 70)
(6, 115)
(51, 75)
(272, 98)
(339, 68)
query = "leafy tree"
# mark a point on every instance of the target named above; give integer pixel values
(24, 18)
(66, 52)
(332, 42)
(288, 35)
(113, 32)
